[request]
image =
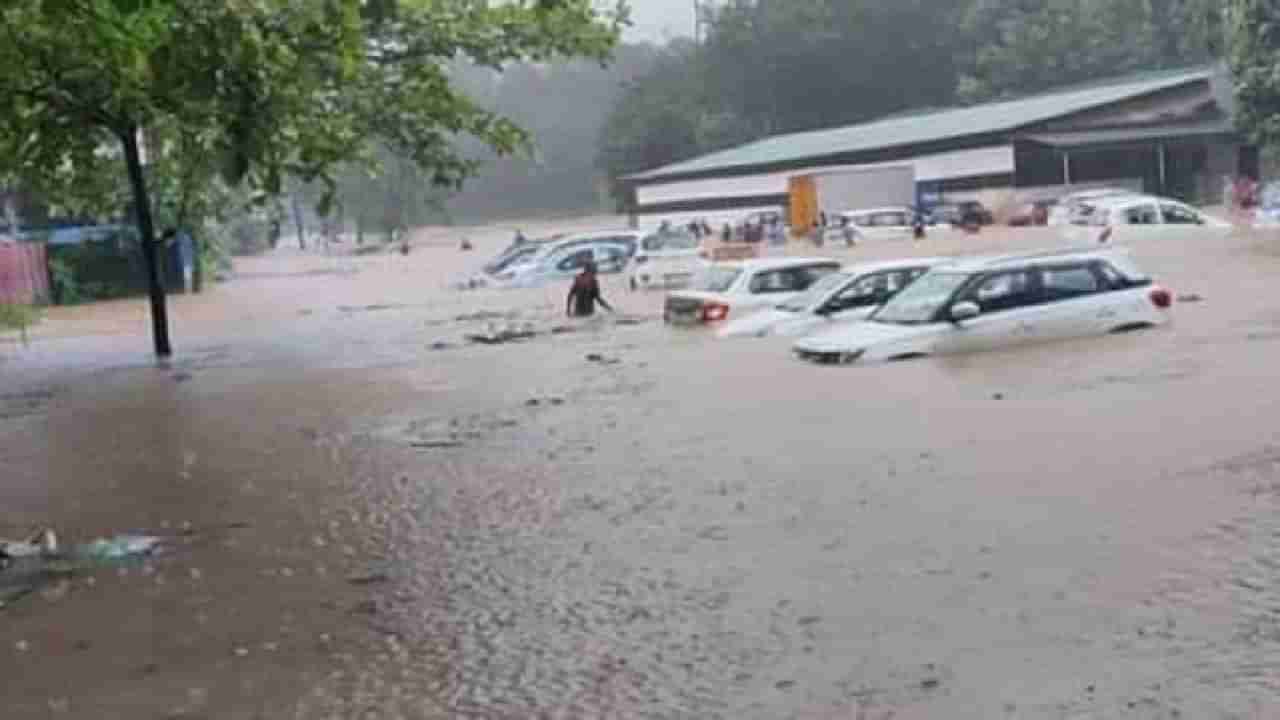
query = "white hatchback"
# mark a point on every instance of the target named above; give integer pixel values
(1125, 220)
(854, 293)
(990, 303)
(666, 260)
(722, 290)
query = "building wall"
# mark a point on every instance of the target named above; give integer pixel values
(941, 166)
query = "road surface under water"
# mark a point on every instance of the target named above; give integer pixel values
(366, 517)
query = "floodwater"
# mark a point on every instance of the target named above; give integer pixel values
(366, 517)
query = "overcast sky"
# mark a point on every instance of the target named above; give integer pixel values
(660, 19)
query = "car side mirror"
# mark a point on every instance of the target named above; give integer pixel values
(964, 310)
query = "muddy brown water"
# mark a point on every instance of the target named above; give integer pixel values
(369, 518)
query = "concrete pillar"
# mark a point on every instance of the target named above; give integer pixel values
(1162, 161)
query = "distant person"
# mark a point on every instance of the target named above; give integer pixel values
(846, 229)
(777, 233)
(727, 233)
(520, 239)
(822, 219)
(584, 294)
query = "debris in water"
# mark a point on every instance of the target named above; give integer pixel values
(439, 345)
(436, 444)
(119, 547)
(501, 337)
(369, 578)
(43, 543)
(930, 683)
(466, 245)
(1190, 298)
(997, 396)
(601, 359)
(181, 377)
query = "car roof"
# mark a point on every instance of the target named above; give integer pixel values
(1000, 262)
(776, 263)
(880, 265)
(898, 208)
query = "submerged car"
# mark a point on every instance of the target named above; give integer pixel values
(854, 293)
(1070, 208)
(1133, 218)
(666, 260)
(539, 264)
(722, 290)
(984, 304)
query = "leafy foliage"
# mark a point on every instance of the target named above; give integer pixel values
(1255, 62)
(258, 90)
(771, 67)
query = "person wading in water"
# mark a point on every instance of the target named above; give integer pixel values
(585, 293)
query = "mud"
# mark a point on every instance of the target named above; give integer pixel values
(678, 527)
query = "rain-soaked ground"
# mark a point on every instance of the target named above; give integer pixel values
(366, 517)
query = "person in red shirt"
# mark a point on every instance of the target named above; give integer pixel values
(584, 294)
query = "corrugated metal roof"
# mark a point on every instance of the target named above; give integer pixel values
(897, 131)
(1121, 136)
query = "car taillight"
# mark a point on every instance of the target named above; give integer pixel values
(1105, 236)
(714, 312)
(1161, 298)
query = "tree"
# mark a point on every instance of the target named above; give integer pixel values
(275, 87)
(1023, 46)
(1255, 63)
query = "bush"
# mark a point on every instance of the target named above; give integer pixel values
(18, 317)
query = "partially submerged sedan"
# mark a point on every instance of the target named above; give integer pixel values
(990, 303)
(1138, 218)
(854, 293)
(722, 290)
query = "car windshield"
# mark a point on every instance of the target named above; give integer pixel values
(920, 301)
(816, 294)
(521, 256)
(717, 278)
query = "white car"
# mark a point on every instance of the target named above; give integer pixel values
(666, 260)
(730, 289)
(1069, 207)
(1124, 220)
(984, 304)
(560, 261)
(892, 223)
(854, 293)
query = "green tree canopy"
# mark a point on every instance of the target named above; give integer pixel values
(269, 88)
(1255, 63)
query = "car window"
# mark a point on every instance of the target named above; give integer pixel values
(1062, 283)
(867, 291)
(889, 219)
(1179, 214)
(789, 279)
(1003, 291)
(1141, 215)
(612, 258)
(576, 260)
(776, 281)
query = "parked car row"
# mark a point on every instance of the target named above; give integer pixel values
(913, 308)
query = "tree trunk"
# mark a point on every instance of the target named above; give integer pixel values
(150, 249)
(297, 221)
(197, 269)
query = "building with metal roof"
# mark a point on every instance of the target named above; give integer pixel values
(1166, 132)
